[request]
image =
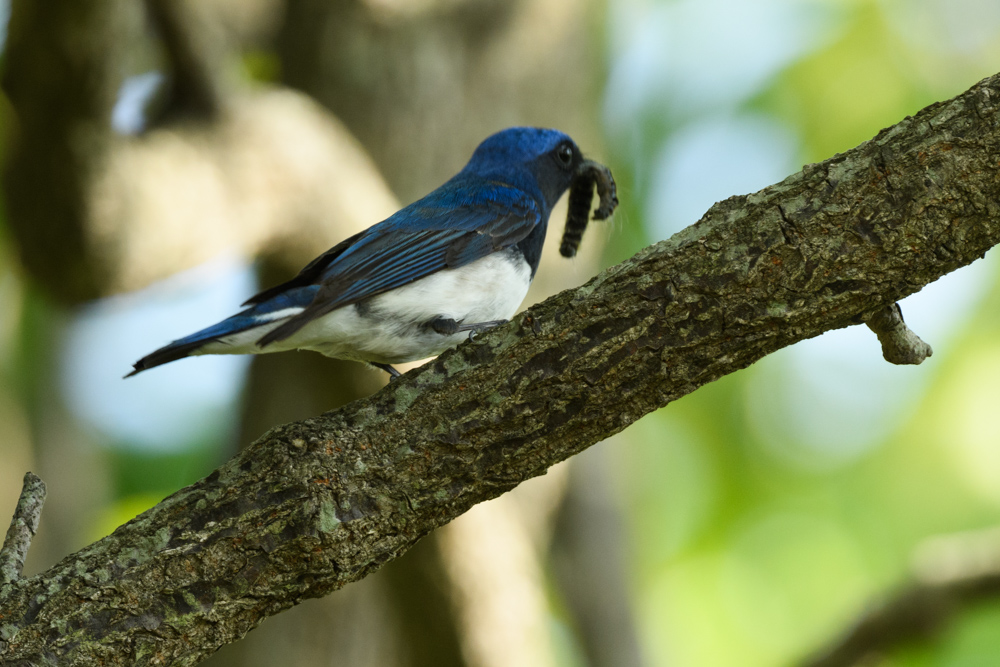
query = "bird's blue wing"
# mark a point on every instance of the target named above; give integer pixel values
(453, 226)
(307, 276)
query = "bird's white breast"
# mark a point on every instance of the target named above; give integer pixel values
(393, 327)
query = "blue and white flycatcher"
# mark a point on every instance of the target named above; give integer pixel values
(451, 264)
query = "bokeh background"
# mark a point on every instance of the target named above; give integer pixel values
(191, 152)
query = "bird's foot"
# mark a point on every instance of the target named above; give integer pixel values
(447, 326)
(480, 327)
(393, 373)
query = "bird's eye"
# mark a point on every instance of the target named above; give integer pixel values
(565, 155)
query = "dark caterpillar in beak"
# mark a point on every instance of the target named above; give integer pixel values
(581, 193)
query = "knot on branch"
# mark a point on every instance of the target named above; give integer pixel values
(899, 344)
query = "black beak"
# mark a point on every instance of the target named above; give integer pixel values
(581, 194)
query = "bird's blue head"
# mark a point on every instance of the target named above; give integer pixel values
(538, 160)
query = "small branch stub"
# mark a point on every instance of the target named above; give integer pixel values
(899, 344)
(22, 529)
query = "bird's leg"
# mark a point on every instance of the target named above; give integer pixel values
(443, 325)
(393, 373)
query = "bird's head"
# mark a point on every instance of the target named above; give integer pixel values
(532, 158)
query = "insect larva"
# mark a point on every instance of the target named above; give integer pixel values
(581, 193)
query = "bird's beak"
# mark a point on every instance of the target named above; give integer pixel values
(581, 194)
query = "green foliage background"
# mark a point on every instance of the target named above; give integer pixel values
(747, 556)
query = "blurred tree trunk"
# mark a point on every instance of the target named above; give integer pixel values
(227, 168)
(590, 564)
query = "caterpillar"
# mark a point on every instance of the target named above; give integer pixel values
(581, 193)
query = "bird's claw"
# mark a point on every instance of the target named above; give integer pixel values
(480, 327)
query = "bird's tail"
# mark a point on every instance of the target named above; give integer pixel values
(164, 355)
(185, 347)
(263, 316)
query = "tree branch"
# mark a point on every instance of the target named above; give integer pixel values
(23, 527)
(952, 573)
(316, 504)
(899, 344)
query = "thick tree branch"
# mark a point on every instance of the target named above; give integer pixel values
(316, 504)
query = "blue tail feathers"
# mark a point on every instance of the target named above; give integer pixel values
(255, 316)
(184, 347)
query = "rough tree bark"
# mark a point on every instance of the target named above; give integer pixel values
(316, 504)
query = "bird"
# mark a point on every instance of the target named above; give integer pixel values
(450, 265)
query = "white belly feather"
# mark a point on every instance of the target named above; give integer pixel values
(393, 327)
